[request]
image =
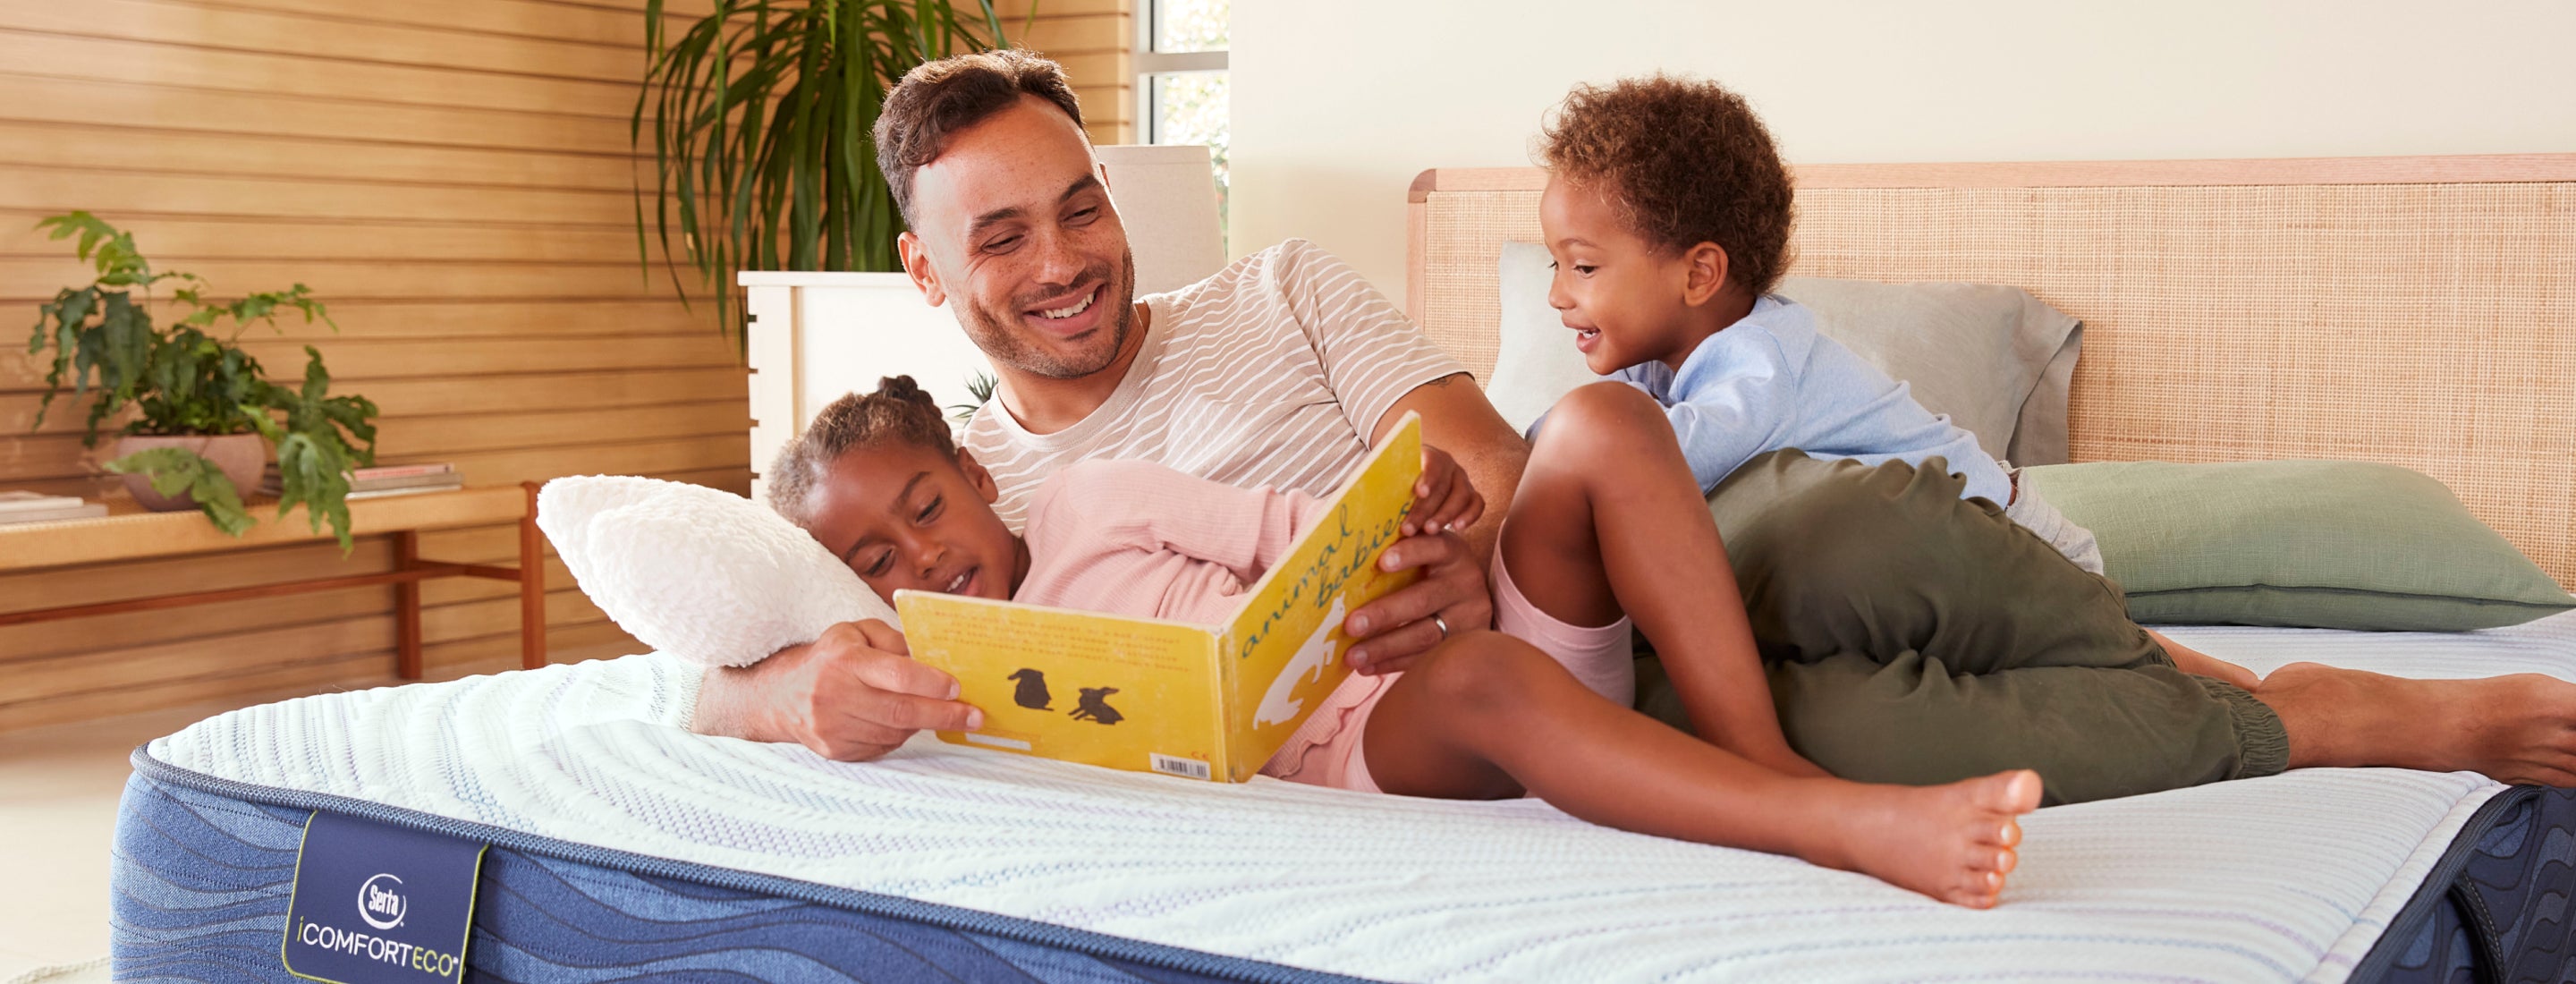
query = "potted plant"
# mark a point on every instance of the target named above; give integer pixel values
(760, 116)
(207, 415)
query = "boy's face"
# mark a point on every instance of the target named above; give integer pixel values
(1627, 302)
(904, 516)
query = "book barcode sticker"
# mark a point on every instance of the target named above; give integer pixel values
(1176, 766)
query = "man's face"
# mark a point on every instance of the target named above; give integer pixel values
(1013, 228)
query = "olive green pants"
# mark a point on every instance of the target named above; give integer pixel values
(1913, 637)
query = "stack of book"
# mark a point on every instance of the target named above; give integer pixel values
(35, 507)
(376, 483)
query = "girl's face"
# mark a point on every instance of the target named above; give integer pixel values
(904, 516)
(1627, 302)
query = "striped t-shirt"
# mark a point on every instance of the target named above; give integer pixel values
(1273, 372)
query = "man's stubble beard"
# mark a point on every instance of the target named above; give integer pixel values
(1001, 342)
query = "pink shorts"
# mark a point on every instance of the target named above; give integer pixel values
(1603, 657)
(1327, 750)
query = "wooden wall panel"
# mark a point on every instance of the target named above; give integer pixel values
(454, 179)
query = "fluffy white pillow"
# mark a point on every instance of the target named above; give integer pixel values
(1994, 358)
(699, 573)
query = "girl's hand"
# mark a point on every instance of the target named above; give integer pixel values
(1443, 498)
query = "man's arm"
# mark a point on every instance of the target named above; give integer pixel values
(853, 695)
(1457, 419)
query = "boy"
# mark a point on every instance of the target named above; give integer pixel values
(1668, 212)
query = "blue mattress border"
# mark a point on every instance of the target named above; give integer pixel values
(930, 914)
(2484, 912)
(2473, 911)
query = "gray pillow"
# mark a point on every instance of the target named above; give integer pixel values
(1994, 358)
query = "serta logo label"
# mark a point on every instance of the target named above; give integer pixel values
(414, 895)
(379, 902)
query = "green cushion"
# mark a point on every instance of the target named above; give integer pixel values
(2320, 544)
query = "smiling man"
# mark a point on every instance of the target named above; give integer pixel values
(1281, 370)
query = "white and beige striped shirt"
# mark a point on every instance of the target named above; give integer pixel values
(1273, 372)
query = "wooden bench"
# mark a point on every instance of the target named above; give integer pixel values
(129, 533)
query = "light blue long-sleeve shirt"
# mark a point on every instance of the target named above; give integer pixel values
(1770, 382)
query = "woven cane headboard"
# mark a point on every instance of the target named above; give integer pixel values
(2418, 311)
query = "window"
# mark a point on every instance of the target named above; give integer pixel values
(1181, 78)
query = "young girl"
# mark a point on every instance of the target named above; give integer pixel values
(877, 480)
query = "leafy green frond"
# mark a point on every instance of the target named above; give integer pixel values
(759, 118)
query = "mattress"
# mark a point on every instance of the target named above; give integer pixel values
(625, 848)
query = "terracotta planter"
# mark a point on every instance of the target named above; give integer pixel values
(241, 457)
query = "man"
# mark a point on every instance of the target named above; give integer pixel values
(1282, 370)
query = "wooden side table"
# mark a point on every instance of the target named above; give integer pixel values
(131, 534)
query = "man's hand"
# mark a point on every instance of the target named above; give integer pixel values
(1395, 629)
(1443, 498)
(853, 695)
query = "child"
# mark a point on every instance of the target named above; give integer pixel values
(877, 481)
(1668, 213)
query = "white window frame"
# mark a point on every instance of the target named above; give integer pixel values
(1148, 63)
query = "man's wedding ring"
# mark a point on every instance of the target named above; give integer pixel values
(1442, 623)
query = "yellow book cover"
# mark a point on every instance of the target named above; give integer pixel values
(1201, 702)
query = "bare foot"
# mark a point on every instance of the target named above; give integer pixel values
(2198, 663)
(1954, 843)
(2517, 729)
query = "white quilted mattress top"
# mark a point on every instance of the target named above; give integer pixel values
(2287, 878)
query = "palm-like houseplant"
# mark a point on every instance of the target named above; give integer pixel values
(759, 116)
(186, 383)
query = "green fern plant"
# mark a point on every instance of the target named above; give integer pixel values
(760, 117)
(186, 380)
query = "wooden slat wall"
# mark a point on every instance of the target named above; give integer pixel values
(454, 179)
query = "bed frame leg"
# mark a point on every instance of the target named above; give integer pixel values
(532, 586)
(406, 607)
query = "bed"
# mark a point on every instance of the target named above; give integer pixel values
(622, 847)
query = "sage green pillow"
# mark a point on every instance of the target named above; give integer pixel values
(2317, 544)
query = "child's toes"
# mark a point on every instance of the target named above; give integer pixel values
(2012, 793)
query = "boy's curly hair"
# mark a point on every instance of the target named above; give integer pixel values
(1686, 162)
(897, 411)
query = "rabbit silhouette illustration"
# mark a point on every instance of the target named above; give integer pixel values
(1033, 690)
(1094, 706)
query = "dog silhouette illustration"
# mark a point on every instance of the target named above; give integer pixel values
(1312, 659)
(1094, 706)
(1033, 692)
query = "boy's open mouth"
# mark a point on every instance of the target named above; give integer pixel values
(1586, 338)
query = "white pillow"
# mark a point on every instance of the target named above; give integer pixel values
(699, 573)
(1994, 358)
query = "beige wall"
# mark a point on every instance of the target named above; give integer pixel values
(1339, 103)
(454, 180)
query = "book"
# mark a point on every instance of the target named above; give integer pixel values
(22, 501)
(385, 472)
(1149, 695)
(368, 483)
(358, 494)
(77, 510)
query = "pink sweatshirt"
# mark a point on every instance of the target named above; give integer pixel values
(1137, 538)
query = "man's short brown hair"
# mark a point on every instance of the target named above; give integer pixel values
(1686, 162)
(942, 97)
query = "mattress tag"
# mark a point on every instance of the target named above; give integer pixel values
(379, 903)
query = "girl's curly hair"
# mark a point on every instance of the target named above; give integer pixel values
(1685, 162)
(897, 411)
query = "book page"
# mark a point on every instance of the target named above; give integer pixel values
(1126, 693)
(1283, 653)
